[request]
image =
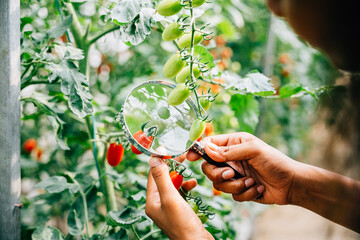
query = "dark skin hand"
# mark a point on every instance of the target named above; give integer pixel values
(166, 207)
(268, 171)
(278, 179)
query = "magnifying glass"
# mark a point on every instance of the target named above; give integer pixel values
(165, 128)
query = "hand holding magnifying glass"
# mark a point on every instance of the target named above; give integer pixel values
(167, 127)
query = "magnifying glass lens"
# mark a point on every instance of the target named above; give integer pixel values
(146, 108)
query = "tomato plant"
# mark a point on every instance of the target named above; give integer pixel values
(78, 61)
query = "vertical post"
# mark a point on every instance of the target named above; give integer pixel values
(9, 119)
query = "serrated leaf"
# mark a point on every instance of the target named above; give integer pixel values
(69, 52)
(246, 109)
(75, 224)
(57, 184)
(203, 54)
(137, 30)
(124, 218)
(140, 195)
(73, 84)
(54, 119)
(290, 89)
(46, 233)
(254, 82)
(125, 11)
(60, 29)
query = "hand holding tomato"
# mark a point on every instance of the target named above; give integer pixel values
(166, 207)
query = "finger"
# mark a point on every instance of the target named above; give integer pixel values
(230, 138)
(216, 174)
(242, 151)
(192, 156)
(180, 158)
(235, 186)
(250, 194)
(189, 184)
(160, 173)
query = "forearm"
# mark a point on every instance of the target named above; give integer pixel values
(328, 194)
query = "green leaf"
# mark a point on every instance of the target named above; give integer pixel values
(201, 52)
(121, 234)
(290, 89)
(75, 224)
(73, 84)
(124, 218)
(226, 28)
(54, 119)
(125, 11)
(254, 82)
(136, 31)
(246, 109)
(57, 184)
(46, 233)
(69, 52)
(60, 29)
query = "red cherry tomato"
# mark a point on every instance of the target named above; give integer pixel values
(115, 154)
(29, 145)
(143, 139)
(209, 129)
(216, 192)
(177, 179)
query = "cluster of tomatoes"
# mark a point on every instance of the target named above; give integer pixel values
(30, 146)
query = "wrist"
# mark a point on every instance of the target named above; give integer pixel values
(297, 192)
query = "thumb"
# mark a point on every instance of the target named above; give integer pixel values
(241, 151)
(160, 173)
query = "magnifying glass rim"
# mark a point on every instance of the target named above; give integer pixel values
(126, 129)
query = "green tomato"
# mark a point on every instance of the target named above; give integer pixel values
(198, 3)
(197, 129)
(172, 32)
(185, 40)
(164, 113)
(194, 206)
(178, 95)
(173, 66)
(205, 103)
(203, 217)
(185, 73)
(169, 7)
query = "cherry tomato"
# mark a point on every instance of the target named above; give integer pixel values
(143, 139)
(177, 179)
(197, 129)
(164, 113)
(178, 95)
(173, 66)
(194, 206)
(198, 3)
(185, 40)
(172, 32)
(29, 145)
(185, 73)
(37, 153)
(284, 58)
(203, 217)
(115, 154)
(169, 7)
(209, 129)
(205, 103)
(216, 192)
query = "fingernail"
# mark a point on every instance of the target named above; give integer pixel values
(212, 146)
(154, 162)
(249, 182)
(260, 189)
(228, 174)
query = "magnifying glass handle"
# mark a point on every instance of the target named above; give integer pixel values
(198, 148)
